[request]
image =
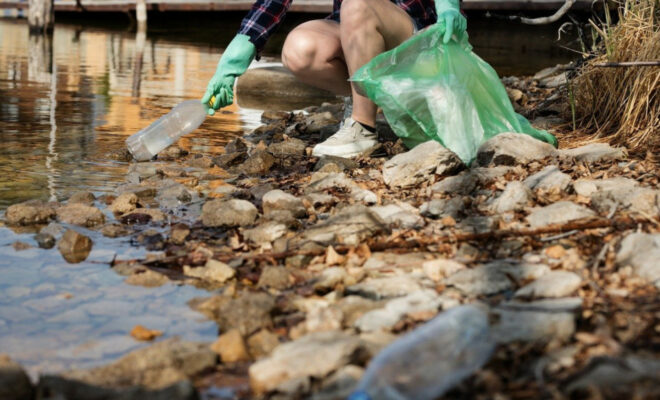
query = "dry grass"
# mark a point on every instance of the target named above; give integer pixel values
(622, 105)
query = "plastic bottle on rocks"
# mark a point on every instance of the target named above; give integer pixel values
(184, 118)
(430, 360)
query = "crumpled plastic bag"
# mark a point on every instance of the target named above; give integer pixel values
(444, 92)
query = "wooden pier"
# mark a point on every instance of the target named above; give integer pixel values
(312, 6)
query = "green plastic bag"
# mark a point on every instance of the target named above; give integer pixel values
(444, 92)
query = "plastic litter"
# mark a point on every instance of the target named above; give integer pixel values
(184, 118)
(434, 91)
(430, 360)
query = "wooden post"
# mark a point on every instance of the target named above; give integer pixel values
(41, 16)
(141, 14)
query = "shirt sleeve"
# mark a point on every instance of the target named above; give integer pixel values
(262, 20)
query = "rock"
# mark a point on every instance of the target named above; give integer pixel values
(340, 384)
(343, 164)
(565, 304)
(324, 123)
(350, 226)
(55, 387)
(172, 196)
(554, 81)
(643, 200)
(238, 145)
(143, 170)
(124, 203)
(493, 278)
(326, 181)
(171, 153)
(595, 152)
(262, 343)
(147, 278)
(419, 301)
(200, 161)
(441, 268)
(363, 195)
(85, 198)
(552, 284)
(419, 164)
(531, 326)
(400, 215)
(288, 149)
(157, 366)
(54, 229)
(614, 377)
(558, 213)
(231, 348)
(587, 187)
(322, 319)
(143, 216)
(315, 355)
(265, 233)
(641, 251)
(30, 212)
(478, 224)
(549, 178)
(330, 278)
(464, 184)
(213, 270)
(228, 213)
(230, 159)
(320, 199)
(45, 240)
(74, 246)
(14, 382)
(280, 200)
(513, 148)
(80, 214)
(275, 277)
(515, 197)
(247, 313)
(439, 208)
(142, 191)
(384, 288)
(259, 163)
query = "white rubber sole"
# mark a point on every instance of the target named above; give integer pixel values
(349, 150)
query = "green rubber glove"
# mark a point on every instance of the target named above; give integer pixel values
(234, 62)
(448, 11)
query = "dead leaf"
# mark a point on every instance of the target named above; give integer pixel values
(139, 332)
(332, 257)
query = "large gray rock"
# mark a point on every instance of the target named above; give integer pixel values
(400, 215)
(322, 181)
(642, 200)
(56, 387)
(30, 212)
(515, 197)
(558, 213)
(595, 152)
(290, 148)
(80, 214)
(155, 367)
(549, 178)
(315, 355)
(173, 195)
(248, 313)
(420, 164)
(384, 288)
(74, 246)
(232, 212)
(438, 208)
(279, 200)
(642, 252)
(552, 284)
(494, 277)
(350, 226)
(588, 187)
(14, 382)
(265, 233)
(465, 183)
(124, 203)
(86, 198)
(513, 148)
(213, 270)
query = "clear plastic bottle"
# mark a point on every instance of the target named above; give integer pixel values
(184, 118)
(430, 360)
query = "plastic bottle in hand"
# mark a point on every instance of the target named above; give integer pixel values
(184, 118)
(430, 360)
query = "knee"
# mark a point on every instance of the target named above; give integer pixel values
(299, 51)
(357, 15)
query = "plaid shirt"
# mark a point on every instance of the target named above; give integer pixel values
(265, 16)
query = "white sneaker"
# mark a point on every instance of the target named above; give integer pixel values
(349, 141)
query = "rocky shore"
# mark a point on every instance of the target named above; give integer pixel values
(314, 265)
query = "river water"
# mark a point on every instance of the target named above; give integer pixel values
(63, 108)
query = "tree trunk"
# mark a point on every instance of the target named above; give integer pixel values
(41, 16)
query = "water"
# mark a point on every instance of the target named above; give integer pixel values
(64, 108)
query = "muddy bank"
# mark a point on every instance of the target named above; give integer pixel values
(313, 266)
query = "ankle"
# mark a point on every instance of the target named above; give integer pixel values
(368, 125)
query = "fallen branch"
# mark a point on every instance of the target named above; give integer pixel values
(541, 20)
(628, 64)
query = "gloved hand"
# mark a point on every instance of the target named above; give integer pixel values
(448, 11)
(234, 62)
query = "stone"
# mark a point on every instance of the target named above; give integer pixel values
(493, 277)
(441, 268)
(155, 367)
(213, 270)
(57, 387)
(248, 313)
(30, 213)
(324, 123)
(315, 355)
(587, 187)
(340, 384)
(280, 200)
(85, 198)
(420, 164)
(400, 215)
(327, 181)
(552, 284)
(275, 277)
(531, 326)
(439, 208)
(231, 347)
(554, 81)
(321, 319)
(558, 213)
(200, 161)
(74, 247)
(618, 377)
(515, 197)
(549, 178)
(80, 214)
(350, 226)
(124, 203)
(172, 152)
(265, 233)
(643, 200)
(641, 251)
(142, 191)
(262, 343)
(478, 224)
(259, 163)
(330, 278)
(595, 152)
(238, 145)
(384, 288)
(174, 195)
(14, 382)
(343, 164)
(230, 159)
(565, 304)
(232, 212)
(143, 170)
(147, 278)
(290, 148)
(143, 216)
(45, 240)
(54, 229)
(464, 184)
(513, 148)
